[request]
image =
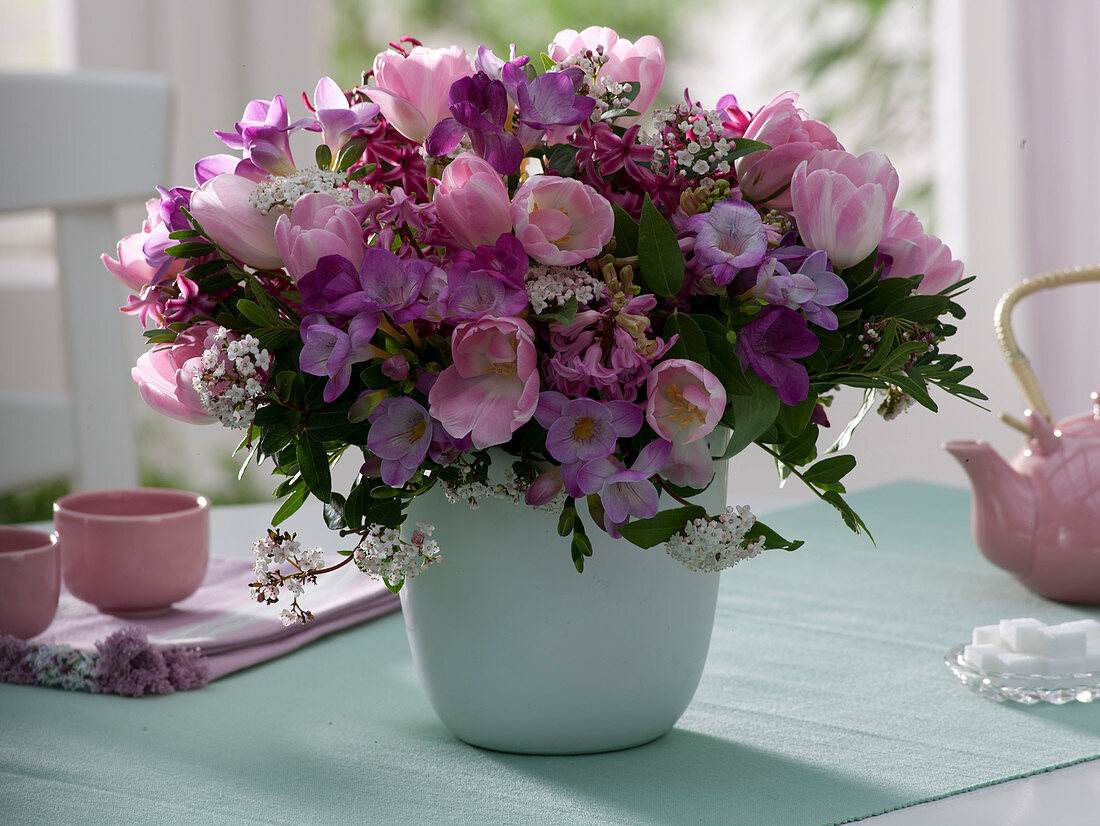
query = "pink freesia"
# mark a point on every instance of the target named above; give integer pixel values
(164, 376)
(561, 221)
(472, 202)
(841, 203)
(132, 268)
(317, 226)
(412, 89)
(906, 251)
(222, 209)
(627, 62)
(684, 401)
(493, 386)
(765, 176)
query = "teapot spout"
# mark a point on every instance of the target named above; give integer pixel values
(1004, 509)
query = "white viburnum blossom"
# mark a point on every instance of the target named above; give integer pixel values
(715, 544)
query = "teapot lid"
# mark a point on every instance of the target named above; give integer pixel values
(1083, 425)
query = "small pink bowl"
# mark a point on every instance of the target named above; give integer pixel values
(133, 552)
(30, 580)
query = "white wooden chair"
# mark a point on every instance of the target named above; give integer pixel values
(78, 145)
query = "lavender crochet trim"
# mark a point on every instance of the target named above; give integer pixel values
(124, 663)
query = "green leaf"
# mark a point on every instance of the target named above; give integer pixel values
(794, 419)
(160, 336)
(659, 256)
(567, 519)
(724, 362)
(750, 415)
(626, 233)
(772, 540)
(691, 344)
(800, 449)
(562, 315)
(354, 506)
(830, 469)
(645, 533)
(350, 153)
(190, 249)
(743, 147)
(323, 155)
(256, 314)
(184, 235)
(334, 513)
(297, 497)
(275, 440)
(547, 62)
(562, 159)
(313, 465)
(850, 517)
(859, 274)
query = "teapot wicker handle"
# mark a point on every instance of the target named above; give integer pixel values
(1017, 361)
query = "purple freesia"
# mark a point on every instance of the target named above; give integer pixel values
(400, 434)
(172, 203)
(479, 108)
(329, 351)
(550, 100)
(334, 277)
(386, 283)
(339, 119)
(812, 288)
(626, 493)
(263, 132)
(580, 430)
(728, 238)
(770, 343)
(488, 281)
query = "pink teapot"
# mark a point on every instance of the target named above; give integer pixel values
(1038, 516)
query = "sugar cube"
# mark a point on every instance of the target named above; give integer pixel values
(1089, 663)
(1090, 626)
(1014, 663)
(987, 635)
(1058, 643)
(984, 657)
(1019, 634)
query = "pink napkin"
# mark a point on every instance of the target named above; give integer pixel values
(214, 632)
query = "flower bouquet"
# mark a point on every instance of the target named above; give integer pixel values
(520, 261)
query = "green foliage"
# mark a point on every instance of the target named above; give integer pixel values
(659, 256)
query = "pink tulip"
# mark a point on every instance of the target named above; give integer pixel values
(131, 268)
(642, 62)
(493, 386)
(684, 401)
(765, 176)
(472, 202)
(318, 225)
(561, 221)
(841, 203)
(906, 251)
(222, 209)
(164, 375)
(412, 89)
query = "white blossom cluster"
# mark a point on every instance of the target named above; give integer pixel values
(699, 154)
(552, 286)
(385, 554)
(281, 563)
(283, 191)
(714, 544)
(231, 377)
(894, 403)
(607, 93)
(471, 492)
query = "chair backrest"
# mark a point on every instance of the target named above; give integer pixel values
(80, 144)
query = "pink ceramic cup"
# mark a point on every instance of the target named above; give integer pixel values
(133, 552)
(30, 580)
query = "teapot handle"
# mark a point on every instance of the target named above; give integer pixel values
(1017, 361)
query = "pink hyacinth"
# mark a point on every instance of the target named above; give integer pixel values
(493, 386)
(841, 203)
(221, 206)
(412, 89)
(472, 202)
(906, 251)
(684, 400)
(627, 62)
(164, 376)
(317, 226)
(765, 176)
(561, 221)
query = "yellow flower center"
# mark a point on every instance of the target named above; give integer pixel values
(417, 431)
(584, 429)
(502, 368)
(683, 411)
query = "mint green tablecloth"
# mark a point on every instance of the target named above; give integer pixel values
(825, 699)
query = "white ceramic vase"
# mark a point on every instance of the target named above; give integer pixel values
(519, 652)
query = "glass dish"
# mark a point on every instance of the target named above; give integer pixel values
(1024, 688)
